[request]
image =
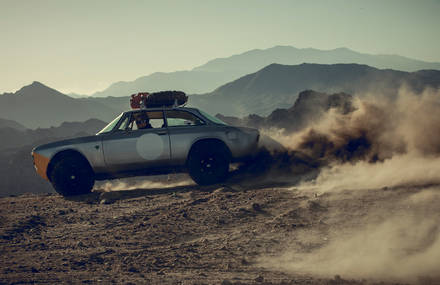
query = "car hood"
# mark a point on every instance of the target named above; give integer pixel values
(68, 142)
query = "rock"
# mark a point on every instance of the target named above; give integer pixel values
(106, 202)
(256, 207)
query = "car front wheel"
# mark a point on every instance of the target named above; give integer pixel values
(72, 176)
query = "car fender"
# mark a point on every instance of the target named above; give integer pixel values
(63, 153)
(213, 140)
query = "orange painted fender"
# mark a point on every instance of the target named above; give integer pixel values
(41, 163)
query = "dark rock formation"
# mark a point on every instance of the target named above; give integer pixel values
(308, 108)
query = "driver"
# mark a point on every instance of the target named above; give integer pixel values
(142, 121)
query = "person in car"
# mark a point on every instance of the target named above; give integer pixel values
(142, 121)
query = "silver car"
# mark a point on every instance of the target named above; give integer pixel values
(146, 142)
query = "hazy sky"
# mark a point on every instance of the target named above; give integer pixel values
(84, 46)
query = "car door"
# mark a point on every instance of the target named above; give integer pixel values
(184, 128)
(131, 148)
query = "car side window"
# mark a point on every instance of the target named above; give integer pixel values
(182, 118)
(146, 120)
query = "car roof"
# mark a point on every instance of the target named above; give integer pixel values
(161, 109)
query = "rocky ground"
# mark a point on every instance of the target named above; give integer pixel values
(235, 233)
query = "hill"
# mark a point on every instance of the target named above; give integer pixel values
(5, 123)
(18, 138)
(207, 77)
(37, 105)
(277, 86)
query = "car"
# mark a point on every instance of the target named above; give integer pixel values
(147, 141)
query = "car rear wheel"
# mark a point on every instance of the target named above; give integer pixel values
(72, 176)
(209, 163)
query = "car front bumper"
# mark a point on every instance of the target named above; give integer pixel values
(40, 164)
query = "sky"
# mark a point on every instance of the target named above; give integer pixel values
(83, 46)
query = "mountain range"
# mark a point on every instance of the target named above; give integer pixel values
(207, 77)
(275, 86)
(18, 137)
(37, 105)
(5, 123)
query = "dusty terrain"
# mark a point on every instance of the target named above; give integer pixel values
(234, 233)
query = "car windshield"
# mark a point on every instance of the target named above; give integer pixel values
(212, 118)
(110, 126)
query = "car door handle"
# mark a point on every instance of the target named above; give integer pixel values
(161, 133)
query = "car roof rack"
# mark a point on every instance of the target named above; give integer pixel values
(170, 99)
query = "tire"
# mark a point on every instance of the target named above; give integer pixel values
(208, 163)
(72, 176)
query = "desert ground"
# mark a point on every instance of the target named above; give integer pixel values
(253, 232)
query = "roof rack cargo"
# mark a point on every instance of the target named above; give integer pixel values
(158, 99)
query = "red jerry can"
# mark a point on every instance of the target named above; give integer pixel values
(138, 100)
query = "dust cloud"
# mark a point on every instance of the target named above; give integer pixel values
(378, 129)
(158, 182)
(399, 171)
(385, 145)
(404, 247)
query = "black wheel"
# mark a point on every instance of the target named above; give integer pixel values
(72, 176)
(208, 163)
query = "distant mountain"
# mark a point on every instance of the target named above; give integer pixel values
(16, 172)
(187, 81)
(214, 73)
(277, 86)
(76, 96)
(4, 123)
(309, 107)
(37, 105)
(256, 59)
(18, 138)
